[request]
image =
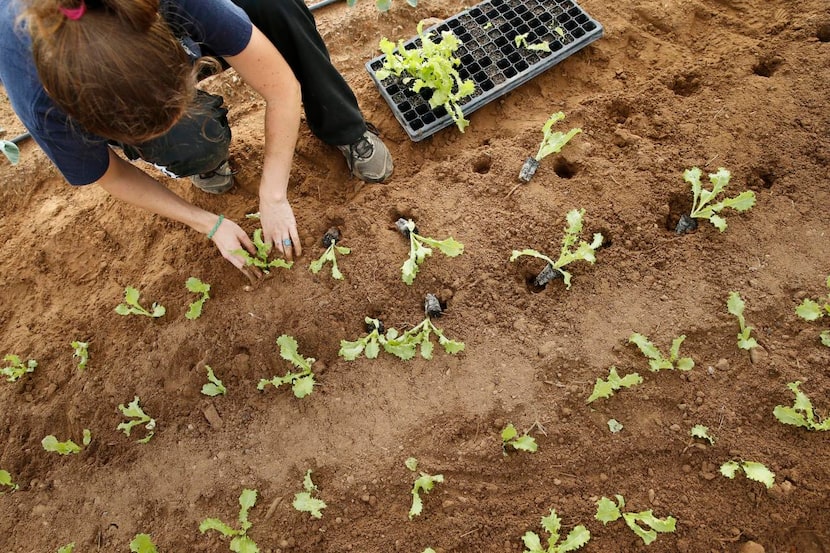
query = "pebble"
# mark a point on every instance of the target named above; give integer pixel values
(751, 547)
(757, 355)
(651, 496)
(557, 482)
(603, 477)
(675, 427)
(547, 348)
(722, 365)
(365, 498)
(687, 469)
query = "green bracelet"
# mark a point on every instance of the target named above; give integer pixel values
(216, 227)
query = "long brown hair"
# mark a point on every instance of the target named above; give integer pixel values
(118, 70)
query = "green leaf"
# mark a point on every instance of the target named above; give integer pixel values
(701, 431)
(509, 433)
(142, 544)
(532, 543)
(68, 548)
(614, 426)
(788, 415)
(759, 473)
(608, 511)
(383, 5)
(247, 499)
(6, 480)
(577, 537)
(809, 310)
(303, 386)
(87, 437)
(11, 151)
(424, 483)
(645, 346)
(308, 485)
(729, 468)
(525, 443)
(288, 351)
(411, 463)
(825, 337)
(51, 444)
(735, 304)
(552, 524)
(219, 526)
(214, 387)
(605, 389)
(81, 351)
(16, 368)
(648, 536)
(685, 364)
(243, 544)
(135, 412)
(305, 503)
(553, 142)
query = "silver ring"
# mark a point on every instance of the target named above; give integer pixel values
(286, 242)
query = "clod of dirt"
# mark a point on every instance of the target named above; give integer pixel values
(751, 547)
(400, 224)
(685, 224)
(432, 307)
(528, 169)
(548, 274)
(331, 236)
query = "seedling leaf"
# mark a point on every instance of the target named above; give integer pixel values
(302, 382)
(424, 483)
(16, 367)
(801, 413)
(214, 386)
(418, 251)
(142, 544)
(260, 260)
(510, 438)
(702, 432)
(656, 360)
(553, 142)
(68, 548)
(608, 511)
(132, 307)
(614, 426)
(6, 480)
(50, 443)
(753, 470)
(134, 411)
(196, 286)
(606, 388)
(576, 538)
(411, 463)
(647, 517)
(729, 468)
(701, 197)
(81, 351)
(11, 151)
(329, 256)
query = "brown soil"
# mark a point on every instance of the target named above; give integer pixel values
(741, 84)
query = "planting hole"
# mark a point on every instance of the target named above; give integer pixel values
(619, 111)
(823, 32)
(565, 169)
(482, 164)
(685, 85)
(679, 204)
(767, 65)
(763, 177)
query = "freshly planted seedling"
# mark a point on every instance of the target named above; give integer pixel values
(132, 307)
(607, 512)
(368, 345)
(552, 142)
(424, 483)
(419, 248)
(68, 548)
(329, 256)
(260, 260)
(194, 310)
(16, 367)
(142, 544)
(754, 471)
(304, 502)
(405, 345)
(735, 305)
(701, 198)
(521, 42)
(552, 524)
(81, 351)
(656, 361)
(134, 411)
(702, 432)
(801, 413)
(11, 151)
(810, 310)
(510, 438)
(240, 542)
(431, 67)
(583, 252)
(52, 445)
(6, 480)
(302, 382)
(214, 386)
(606, 388)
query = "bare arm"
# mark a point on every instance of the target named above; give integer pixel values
(130, 184)
(262, 66)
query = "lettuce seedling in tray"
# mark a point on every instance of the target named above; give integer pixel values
(489, 55)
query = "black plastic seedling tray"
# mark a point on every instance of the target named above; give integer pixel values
(489, 55)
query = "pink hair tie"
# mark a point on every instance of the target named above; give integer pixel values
(74, 14)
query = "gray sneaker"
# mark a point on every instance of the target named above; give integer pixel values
(218, 181)
(368, 158)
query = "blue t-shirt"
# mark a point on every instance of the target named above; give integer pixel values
(219, 25)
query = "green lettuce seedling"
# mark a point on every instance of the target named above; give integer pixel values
(302, 382)
(656, 361)
(801, 413)
(81, 351)
(552, 142)
(52, 445)
(510, 438)
(432, 66)
(754, 471)
(552, 524)
(606, 388)
(330, 257)
(68, 548)
(521, 42)
(702, 432)
(607, 512)
(132, 307)
(810, 310)
(6, 480)
(142, 544)
(405, 345)
(136, 413)
(735, 305)
(419, 248)
(260, 260)
(424, 483)
(16, 367)
(11, 151)
(583, 252)
(240, 542)
(701, 209)
(368, 345)
(304, 502)
(214, 386)
(194, 310)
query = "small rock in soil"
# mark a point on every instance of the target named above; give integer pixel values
(675, 427)
(751, 547)
(722, 365)
(757, 355)
(212, 417)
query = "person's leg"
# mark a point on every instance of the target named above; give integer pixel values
(330, 105)
(196, 146)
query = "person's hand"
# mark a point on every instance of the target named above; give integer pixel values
(230, 238)
(280, 228)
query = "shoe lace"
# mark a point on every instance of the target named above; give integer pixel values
(362, 149)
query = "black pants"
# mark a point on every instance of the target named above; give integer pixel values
(199, 142)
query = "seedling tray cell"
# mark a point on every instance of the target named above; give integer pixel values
(489, 55)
